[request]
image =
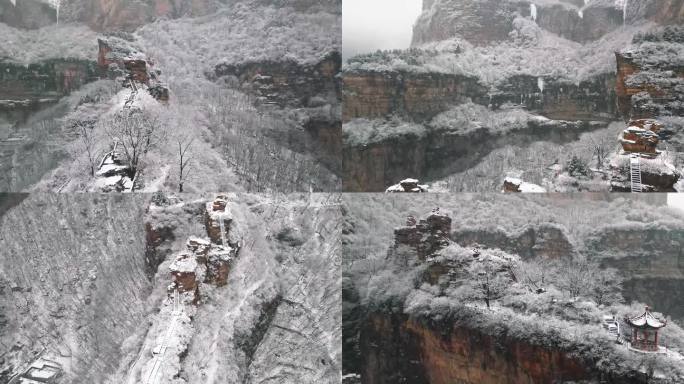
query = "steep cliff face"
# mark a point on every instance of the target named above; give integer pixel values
(27, 14)
(650, 75)
(44, 80)
(480, 22)
(26, 90)
(398, 348)
(73, 282)
(543, 241)
(593, 22)
(418, 96)
(485, 22)
(560, 99)
(101, 15)
(651, 259)
(313, 90)
(660, 11)
(438, 153)
(117, 15)
(288, 83)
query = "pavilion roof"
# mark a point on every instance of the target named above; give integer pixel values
(646, 320)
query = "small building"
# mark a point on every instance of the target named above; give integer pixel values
(407, 185)
(645, 331)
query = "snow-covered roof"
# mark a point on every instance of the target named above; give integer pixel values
(409, 181)
(513, 180)
(646, 320)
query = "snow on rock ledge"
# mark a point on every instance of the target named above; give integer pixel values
(407, 185)
(513, 184)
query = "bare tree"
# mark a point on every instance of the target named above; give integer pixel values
(601, 150)
(137, 131)
(88, 141)
(489, 285)
(533, 274)
(184, 142)
(606, 286)
(576, 276)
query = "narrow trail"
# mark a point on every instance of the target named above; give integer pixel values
(159, 351)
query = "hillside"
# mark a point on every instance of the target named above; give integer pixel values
(473, 62)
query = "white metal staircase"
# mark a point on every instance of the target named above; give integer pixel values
(635, 173)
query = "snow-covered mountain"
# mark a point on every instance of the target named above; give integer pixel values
(490, 89)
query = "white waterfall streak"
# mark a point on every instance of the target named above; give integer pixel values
(540, 84)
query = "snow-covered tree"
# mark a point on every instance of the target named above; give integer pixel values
(606, 286)
(137, 131)
(488, 285)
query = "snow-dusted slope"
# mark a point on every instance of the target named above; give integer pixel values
(278, 314)
(73, 284)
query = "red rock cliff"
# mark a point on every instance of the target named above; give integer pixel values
(420, 96)
(399, 348)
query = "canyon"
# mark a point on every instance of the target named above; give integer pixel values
(434, 75)
(106, 294)
(391, 335)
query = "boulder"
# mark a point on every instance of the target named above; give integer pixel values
(219, 260)
(639, 140)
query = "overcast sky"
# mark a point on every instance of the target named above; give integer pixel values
(676, 200)
(369, 25)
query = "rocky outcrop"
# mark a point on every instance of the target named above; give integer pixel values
(650, 75)
(659, 11)
(331, 6)
(593, 22)
(426, 236)
(480, 22)
(657, 174)
(651, 258)
(288, 83)
(207, 261)
(45, 80)
(314, 90)
(117, 56)
(27, 14)
(641, 136)
(398, 348)
(155, 236)
(483, 22)
(543, 241)
(372, 167)
(101, 15)
(559, 99)
(417, 96)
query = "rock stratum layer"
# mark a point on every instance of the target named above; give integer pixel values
(399, 348)
(314, 91)
(114, 15)
(650, 75)
(419, 96)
